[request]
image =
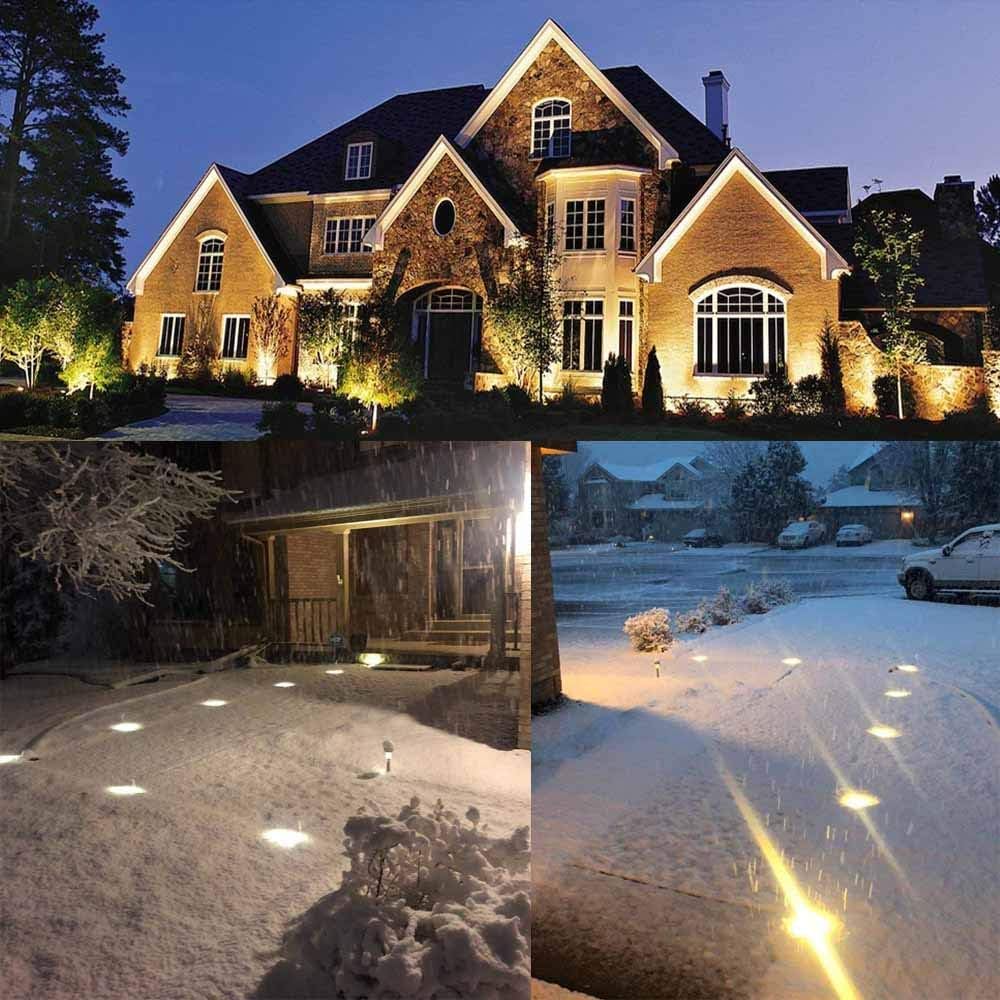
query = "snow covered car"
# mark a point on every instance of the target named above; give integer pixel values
(970, 564)
(801, 534)
(699, 538)
(854, 534)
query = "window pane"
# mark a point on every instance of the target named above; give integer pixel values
(593, 334)
(627, 236)
(574, 225)
(758, 346)
(595, 224)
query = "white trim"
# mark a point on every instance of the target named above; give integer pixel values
(359, 145)
(159, 336)
(212, 176)
(349, 219)
(338, 284)
(280, 197)
(531, 130)
(222, 337)
(284, 197)
(568, 173)
(650, 268)
(744, 281)
(442, 148)
(550, 31)
(212, 234)
(454, 209)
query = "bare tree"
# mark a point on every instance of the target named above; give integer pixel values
(269, 329)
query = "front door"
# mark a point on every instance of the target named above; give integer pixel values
(449, 345)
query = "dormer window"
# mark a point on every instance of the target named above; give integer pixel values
(359, 160)
(209, 277)
(552, 128)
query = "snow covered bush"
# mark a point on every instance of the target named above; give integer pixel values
(760, 598)
(723, 609)
(693, 622)
(650, 631)
(429, 909)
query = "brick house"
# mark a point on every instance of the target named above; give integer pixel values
(668, 238)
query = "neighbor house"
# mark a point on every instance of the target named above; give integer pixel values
(668, 238)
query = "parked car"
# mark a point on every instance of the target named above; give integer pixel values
(801, 534)
(700, 538)
(969, 564)
(854, 534)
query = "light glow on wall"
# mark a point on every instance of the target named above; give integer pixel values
(285, 838)
(126, 727)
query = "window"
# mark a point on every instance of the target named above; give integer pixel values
(444, 217)
(585, 224)
(171, 335)
(552, 129)
(626, 328)
(209, 266)
(345, 235)
(235, 337)
(550, 225)
(739, 331)
(626, 236)
(583, 333)
(359, 160)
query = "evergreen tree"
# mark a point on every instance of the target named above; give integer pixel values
(616, 388)
(832, 368)
(60, 204)
(652, 389)
(973, 490)
(988, 210)
(770, 491)
(556, 489)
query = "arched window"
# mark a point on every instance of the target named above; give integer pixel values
(209, 265)
(739, 330)
(552, 128)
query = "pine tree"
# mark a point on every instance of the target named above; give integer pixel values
(652, 389)
(770, 491)
(832, 368)
(988, 210)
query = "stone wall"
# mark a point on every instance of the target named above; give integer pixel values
(991, 379)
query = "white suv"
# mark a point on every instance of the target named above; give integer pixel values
(970, 564)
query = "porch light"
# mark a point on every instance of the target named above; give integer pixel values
(9, 758)
(214, 703)
(906, 515)
(132, 789)
(388, 748)
(284, 684)
(285, 838)
(853, 799)
(371, 659)
(126, 727)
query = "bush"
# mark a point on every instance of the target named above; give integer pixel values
(287, 387)
(431, 907)
(519, 400)
(693, 622)
(773, 395)
(693, 411)
(652, 389)
(338, 418)
(13, 407)
(733, 408)
(810, 397)
(723, 609)
(283, 420)
(236, 382)
(649, 631)
(886, 401)
(759, 598)
(616, 388)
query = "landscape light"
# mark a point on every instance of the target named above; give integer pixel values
(897, 693)
(285, 684)
(791, 661)
(884, 732)
(132, 789)
(9, 758)
(214, 703)
(857, 800)
(371, 659)
(334, 671)
(388, 748)
(126, 727)
(285, 838)
(656, 664)
(908, 668)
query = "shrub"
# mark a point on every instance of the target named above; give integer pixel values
(287, 387)
(693, 411)
(236, 382)
(649, 631)
(13, 406)
(693, 622)
(773, 395)
(283, 419)
(886, 402)
(723, 609)
(518, 398)
(733, 408)
(810, 396)
(652, 389)
(835, 400)
(759, 598)
(431, 907)
(338, 418)
(616, 389)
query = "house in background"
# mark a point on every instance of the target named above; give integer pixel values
(874, 497)
(667, 237)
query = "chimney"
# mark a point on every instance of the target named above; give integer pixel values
(717, 104)
(956, 207)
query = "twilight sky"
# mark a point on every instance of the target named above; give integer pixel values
(905, 91)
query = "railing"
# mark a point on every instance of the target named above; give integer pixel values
(302, 621)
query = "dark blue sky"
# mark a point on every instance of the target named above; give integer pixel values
(904, 91)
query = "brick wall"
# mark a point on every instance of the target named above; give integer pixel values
(340, 264)
(314, 560)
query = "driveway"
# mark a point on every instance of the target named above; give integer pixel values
(197, 418)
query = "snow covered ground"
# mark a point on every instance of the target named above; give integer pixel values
(174, 894)
(648, 880)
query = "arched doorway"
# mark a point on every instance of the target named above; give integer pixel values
(447, 329)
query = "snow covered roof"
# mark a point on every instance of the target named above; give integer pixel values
(861, 496)
(648, 473)
(654, 501)
(870, 450)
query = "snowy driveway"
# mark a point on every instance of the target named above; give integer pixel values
(648, 881)
(197, 418)
(172, 894)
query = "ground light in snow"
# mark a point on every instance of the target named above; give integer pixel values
(883, 732)
(285, 684)
(285, 838)
(908, 668)
(853, 799)
(214, 703)
(9, 758)
(132, 789)
(700, 658)
(334, 671)
(126, 727)
(371, 659)
(791, 661)
(816, 929)
(897, 693)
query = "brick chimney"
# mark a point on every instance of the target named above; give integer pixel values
(956, 208)
(717, 104)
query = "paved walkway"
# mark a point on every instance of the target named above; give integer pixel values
(198, 418)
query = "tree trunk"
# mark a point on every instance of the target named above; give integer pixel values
(374, 417)
(899, 391)
(15, 141)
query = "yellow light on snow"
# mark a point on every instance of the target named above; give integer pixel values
(908, 668)
(285, 838)
(9, 758)
(897, 693)
(812, 925)
(884, 732)
(132, 789)
(700, 658)
(334, 671)
(371, 659)
(214, 703)
(126, 727)
(857, 800)
(285, 684)
(791, 661)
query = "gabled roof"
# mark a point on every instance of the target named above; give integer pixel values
(867, 453)
(552, 32)
(442, 148)
(861, 496)
(649, 473)
(226, 178)
(814, 190)
(832, 264)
